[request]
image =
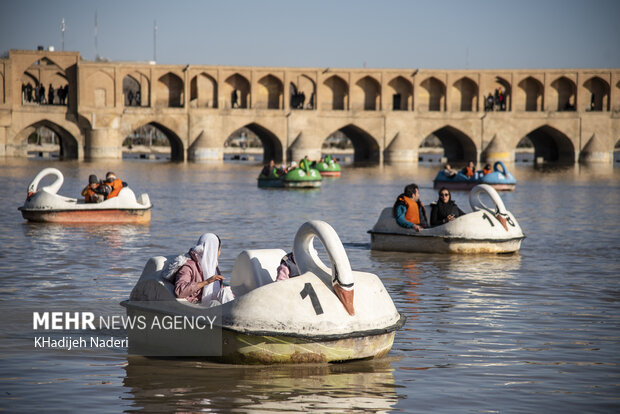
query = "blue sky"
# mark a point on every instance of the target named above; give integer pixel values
(439, 34)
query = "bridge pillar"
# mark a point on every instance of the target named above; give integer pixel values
(301, 147)
(496, 152)
(3, 142)
(102, 143)
(400, 150)
(297, 154)
(594, 152)
(203, 149)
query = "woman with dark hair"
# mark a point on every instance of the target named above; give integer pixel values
(444, 210)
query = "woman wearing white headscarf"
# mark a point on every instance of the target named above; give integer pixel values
(199, 279)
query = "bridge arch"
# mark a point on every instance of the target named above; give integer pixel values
(270, 93)
(272, 146)
(136, 86)
(402, 94)
(505, 86)
(239, 86)
(103, 93)
(177, 150)
(566, 91)
(435, 94)
(46, 72)
(599, 93)
(69, 144)
(371, 90)
(533, 91)
(337, 94)
(203, 91)
(131, 88)
(303, 87)
(466, 94)
(457, 145)
(551, 144)
(170, 91)
(365, 147)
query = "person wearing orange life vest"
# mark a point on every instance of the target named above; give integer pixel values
(469, 170)
(409, 211)
(114, 183)
(91, 192)
(487, 169)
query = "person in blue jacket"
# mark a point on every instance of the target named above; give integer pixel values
(409, 211)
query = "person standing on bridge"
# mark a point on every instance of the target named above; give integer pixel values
(233, 99)
(50, 95)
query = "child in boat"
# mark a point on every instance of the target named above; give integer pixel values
(288, 268)
(444, 210)
(92, 192)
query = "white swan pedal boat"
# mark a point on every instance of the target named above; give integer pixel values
(45, 205)
(323, 315)
(487, 229)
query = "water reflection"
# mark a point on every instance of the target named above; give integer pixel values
(64, 236)
(166, 385)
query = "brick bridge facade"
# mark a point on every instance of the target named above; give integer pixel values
(570, 115)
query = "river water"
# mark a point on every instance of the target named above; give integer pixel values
(537, 331)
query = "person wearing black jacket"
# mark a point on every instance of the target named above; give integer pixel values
(444, 210)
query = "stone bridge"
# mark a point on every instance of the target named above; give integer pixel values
(569, 115)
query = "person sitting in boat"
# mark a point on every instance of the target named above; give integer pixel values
(115, 184)
(444, 210)
(92, 192)
(304, 163)
(409, 210)
(270, 170)
(288, 268)
(449, 171)
(487, 169)
(199, 279)
(469, 170)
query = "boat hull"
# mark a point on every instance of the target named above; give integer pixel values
(438, 244)
(93, 216)
(270, 183)
(487, 229)
(302, 184)
(466, 186)
(253, 348)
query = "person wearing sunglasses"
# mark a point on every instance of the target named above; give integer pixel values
(444, 210)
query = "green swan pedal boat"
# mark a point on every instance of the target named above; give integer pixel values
(298, 177)
(329, 167)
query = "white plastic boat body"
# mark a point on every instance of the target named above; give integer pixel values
(480, 231)
(44, 205)
(297, 320)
